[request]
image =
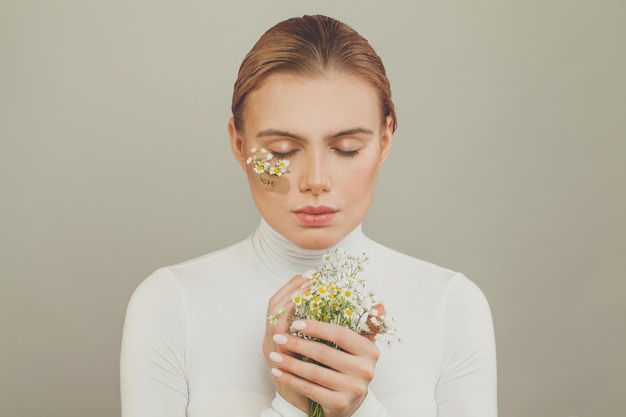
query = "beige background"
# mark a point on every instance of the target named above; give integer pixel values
(509, 165)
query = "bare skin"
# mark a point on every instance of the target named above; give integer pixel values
(332, 131)
(342, 385)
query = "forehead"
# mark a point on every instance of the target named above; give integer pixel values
(312, 105)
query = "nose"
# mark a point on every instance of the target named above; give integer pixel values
(315, 177)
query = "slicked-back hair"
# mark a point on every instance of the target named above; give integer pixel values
(311, 46)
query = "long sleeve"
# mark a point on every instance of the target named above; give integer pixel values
(152, 364)
(370, 407)
(468, 383)
(193, 333)
(282, 408)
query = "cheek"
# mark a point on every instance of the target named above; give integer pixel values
(266, 173)
(361, 177)
(264, 183)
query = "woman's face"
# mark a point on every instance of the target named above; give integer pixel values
(330, 130)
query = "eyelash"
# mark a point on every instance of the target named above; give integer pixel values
(285, 155)
(347, 154)
(344, 154)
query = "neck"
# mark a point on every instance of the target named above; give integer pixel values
(283, 260)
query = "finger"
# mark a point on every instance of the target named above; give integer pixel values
(306, 369)
(280, 305)
(361, 366)
(322, 385)
(285, 293)
(300, 385)
(280, 310)
(347, 339)
(374, 328)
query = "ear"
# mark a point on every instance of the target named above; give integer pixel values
(236, 144)
(386, 136)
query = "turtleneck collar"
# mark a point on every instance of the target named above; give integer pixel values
(282, 260)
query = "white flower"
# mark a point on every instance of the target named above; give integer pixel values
(339, 297)
(282, 165)
(274, 319)
(259, 168)
(263, 163)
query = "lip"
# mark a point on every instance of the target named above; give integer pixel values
(315, 215)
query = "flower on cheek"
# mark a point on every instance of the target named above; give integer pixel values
(264, 164)
(260, 167)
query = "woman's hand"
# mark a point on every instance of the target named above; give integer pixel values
(340, 386)
(281, 301)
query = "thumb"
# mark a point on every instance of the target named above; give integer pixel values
(377, 311)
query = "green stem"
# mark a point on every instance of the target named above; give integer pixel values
(315, 410)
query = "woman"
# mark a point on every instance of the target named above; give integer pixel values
(312, 124)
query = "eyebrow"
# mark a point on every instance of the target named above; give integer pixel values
(284, 133)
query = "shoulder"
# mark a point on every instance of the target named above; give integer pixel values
(408, 269)
(217, 261)
(425, 283)
(173, 281)
(212, 261)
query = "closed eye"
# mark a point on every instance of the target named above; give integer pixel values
(285, 155)
(346, 154)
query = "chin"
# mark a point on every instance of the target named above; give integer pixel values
(317, 239)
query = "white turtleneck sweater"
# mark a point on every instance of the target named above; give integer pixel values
(193, 335)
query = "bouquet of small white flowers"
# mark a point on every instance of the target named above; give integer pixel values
(337, 296)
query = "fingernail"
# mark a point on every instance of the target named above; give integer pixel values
(279, 339)
(276, 357)
(276, 373)
(298, 325)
